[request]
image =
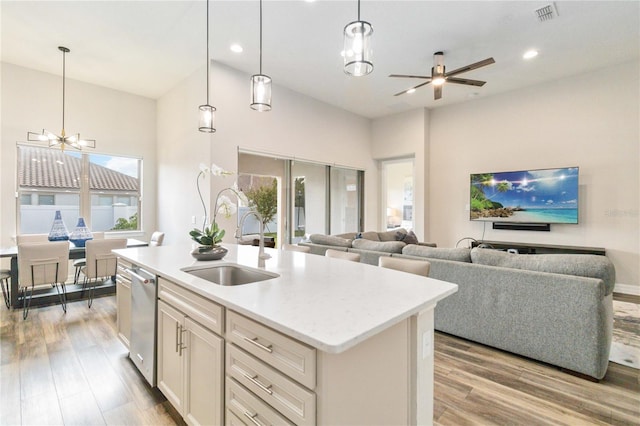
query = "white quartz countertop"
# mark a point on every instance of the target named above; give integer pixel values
(330, 304)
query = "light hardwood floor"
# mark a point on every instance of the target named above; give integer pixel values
(72, 369)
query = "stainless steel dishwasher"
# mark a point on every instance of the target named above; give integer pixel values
(142, 348)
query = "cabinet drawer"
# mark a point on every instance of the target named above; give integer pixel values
(203, 311)
(249, 409)
(285, 354)
(123, 265)
(288, 397)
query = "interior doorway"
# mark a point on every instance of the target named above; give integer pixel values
(397, 183)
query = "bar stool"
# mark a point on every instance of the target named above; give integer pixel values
(293, 247)
(354, 257)
(42, 263)
(413, 266)
(5, 274)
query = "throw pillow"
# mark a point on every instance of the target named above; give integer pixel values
(390, 235)
(330, 240)
(383, 246)
(407, 238)
(370, 235)
(457, 254)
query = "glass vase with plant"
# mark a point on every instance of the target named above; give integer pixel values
(210, 236)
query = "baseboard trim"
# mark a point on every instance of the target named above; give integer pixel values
(627, 289)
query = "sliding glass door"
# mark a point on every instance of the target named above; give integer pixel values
(309, 196)
(313, 198)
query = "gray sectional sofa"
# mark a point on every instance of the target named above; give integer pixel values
(555, 308)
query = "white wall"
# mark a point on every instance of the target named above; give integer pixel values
(580, 121)
(298, 126)
(406, 135)
(121, 124)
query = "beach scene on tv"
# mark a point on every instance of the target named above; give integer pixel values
(535, 196)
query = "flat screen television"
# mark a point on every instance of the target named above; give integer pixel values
(527, 196)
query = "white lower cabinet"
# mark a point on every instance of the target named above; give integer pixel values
(190, 365)
(123, 302)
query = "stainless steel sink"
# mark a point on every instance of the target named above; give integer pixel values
(230, 274)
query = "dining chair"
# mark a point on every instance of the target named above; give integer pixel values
(32, 238)
(5, 275)
(295, 247)
(80, 263)
(413, 266)
(354, 257)
(42, 263)
(101, 262)
(156, 239)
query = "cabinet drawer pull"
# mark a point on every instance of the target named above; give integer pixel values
(177, 334)
(255, 381)
(252, 417)
(258, 344)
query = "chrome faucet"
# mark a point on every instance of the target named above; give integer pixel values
(261, 254)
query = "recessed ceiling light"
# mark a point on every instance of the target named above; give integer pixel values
(309, 1)
(236, 48)
(529, 54)
(410, 91)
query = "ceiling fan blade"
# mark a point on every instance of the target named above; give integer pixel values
(414, 87)
(437, 92)
(483, 63)
(409, 76)
(466, 81)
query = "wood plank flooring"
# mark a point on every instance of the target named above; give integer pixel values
(72, 369)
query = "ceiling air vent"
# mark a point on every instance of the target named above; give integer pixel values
(547, 13)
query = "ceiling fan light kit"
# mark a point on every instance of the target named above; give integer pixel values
(358, 50)
(260, 83)
(207, 121)
(61, 140)
(439, 76)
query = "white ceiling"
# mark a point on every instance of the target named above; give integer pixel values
(147, 47)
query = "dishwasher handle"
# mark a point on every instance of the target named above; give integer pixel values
(143, 280)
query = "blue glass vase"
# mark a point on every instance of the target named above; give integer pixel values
(58, 229)
(81, 234)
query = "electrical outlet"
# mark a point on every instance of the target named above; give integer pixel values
(467, 207)
(193, 220)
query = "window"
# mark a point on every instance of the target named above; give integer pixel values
(103, 189)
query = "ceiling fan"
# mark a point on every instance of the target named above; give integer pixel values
(439, 76)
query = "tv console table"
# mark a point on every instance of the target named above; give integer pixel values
(524, 248)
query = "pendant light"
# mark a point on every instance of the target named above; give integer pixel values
(207, 122)
(62, 140)
(260, 83)
(357, 47)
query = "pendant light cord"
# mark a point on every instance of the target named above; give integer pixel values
(64, 67)
(260, 37)
(208, 61)
(358, 10)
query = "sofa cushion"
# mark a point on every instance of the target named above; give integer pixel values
(383, 246)
(369, 235)
(347, 236)
(330, 240)
(582, 265)
(457, 254)
(390, 235)
(407, 238)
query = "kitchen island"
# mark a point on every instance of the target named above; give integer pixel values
(325, 341)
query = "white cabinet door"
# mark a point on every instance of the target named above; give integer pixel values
(170, 365)
(123, 302)
(203, 356)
